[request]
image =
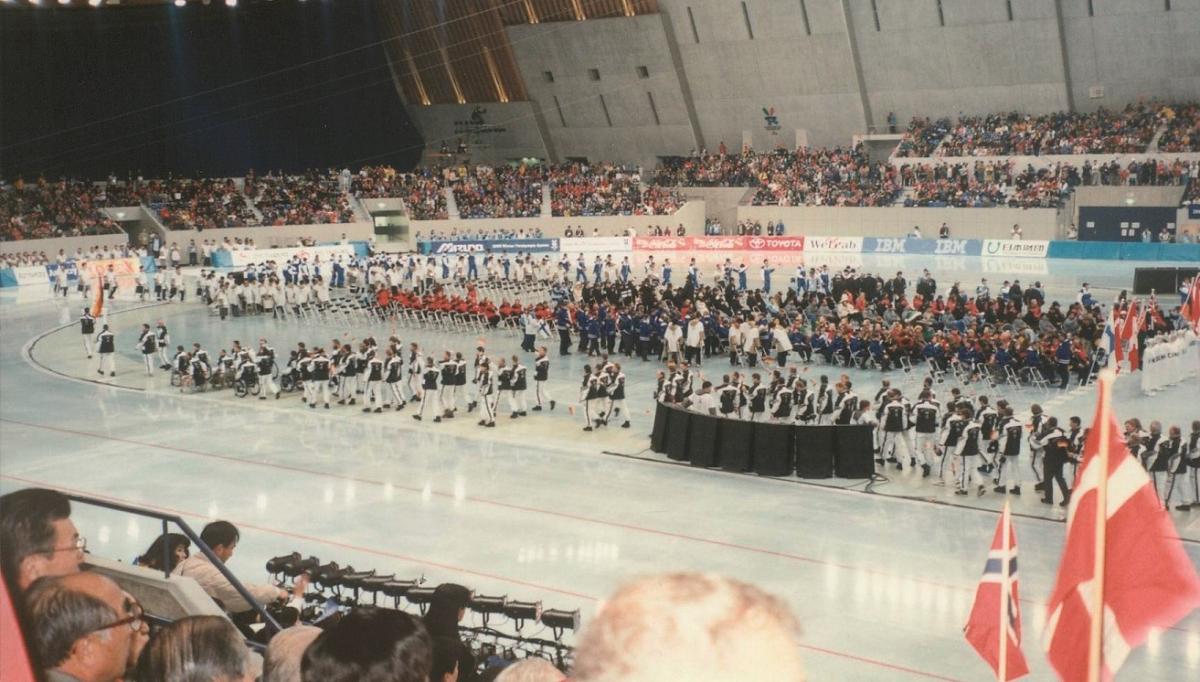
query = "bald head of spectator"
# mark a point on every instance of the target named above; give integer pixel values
(285, 653)
(84, 627)
(531, 670)
(687, 626)
(37, 537)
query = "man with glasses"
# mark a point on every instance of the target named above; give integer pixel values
(84, 628)
(37, 537)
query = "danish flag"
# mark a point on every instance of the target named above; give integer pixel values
(1127, 563)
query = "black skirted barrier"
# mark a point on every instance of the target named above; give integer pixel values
(765, 448)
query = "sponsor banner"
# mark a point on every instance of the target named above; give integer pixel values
(310, 253)
(466, 246)
(924, 247)
(662, 243)
(781, 243)
(834, 244)
(1193, 210)
(719, 243)
(1016, 266)
(596, 244)
(31, 274)
(1019, 248)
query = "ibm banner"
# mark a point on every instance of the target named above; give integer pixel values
(480, 246)
(924, 247)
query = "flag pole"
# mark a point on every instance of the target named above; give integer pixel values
(1002, 669)
(1096, 640)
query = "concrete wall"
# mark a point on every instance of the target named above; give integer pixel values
(285, 235)
(809, 80)
(720, 203)
(615, 49)
(499, 133)
(691, 215)
(1120, 196)
(965, 223)
(1134, 49)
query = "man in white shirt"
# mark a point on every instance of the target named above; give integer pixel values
(694, 342)
(222, 537)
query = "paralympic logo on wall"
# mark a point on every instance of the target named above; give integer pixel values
(770, 120)
(476, 124)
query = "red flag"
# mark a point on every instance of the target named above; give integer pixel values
(1191, 307)
(98, 303)
(998, 605)
(1147, 580)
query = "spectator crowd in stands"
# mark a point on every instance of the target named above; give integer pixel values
(313, 198)
(1129, 131)
(499, 191)
(42, 210)
(804, 177)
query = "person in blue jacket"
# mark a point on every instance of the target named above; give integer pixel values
(581, 325)
(766, 276)
(562, 320)
(608, 328)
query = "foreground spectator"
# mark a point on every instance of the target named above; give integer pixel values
(689, 626)
(446, 610)
(207, 648)
(531, 670)
(84, 628)
(37, 537)
(370, 645)
(176, 548)
(286, 651)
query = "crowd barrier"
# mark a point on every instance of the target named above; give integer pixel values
(1125, 251)
(764, 448)
(30, 275)
(230, 259)
(1169, 362)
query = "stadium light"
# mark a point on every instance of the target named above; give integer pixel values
(64, 2)
(95, 3)
(180, 3)
(561, 620)
(231, 3)
(522, 611)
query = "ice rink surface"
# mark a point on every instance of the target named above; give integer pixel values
(881, 576)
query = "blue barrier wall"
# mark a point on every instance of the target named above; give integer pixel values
(1188, 253)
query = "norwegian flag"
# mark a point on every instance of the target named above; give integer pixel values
(1148, 580)
(997, 607)
(1191, 307)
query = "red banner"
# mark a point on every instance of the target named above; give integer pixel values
(662, 243)
(718, 243)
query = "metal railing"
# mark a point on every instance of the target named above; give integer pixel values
(167, 519)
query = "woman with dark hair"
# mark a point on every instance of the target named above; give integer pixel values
(447, 608)
(196, 648)
(177, 549)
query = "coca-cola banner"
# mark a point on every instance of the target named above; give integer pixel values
(718, 243)
(662, 243)
(721, 243)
